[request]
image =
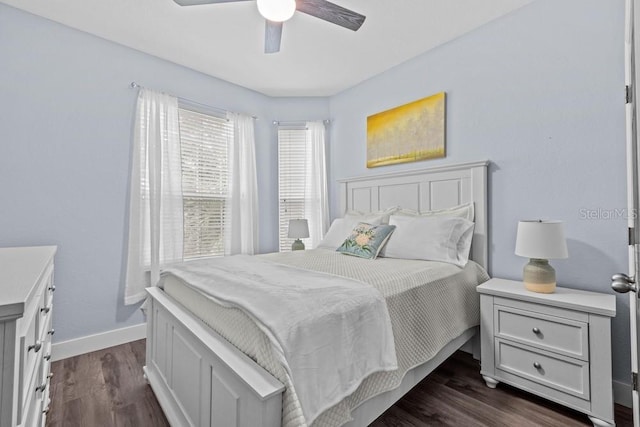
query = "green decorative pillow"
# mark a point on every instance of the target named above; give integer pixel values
(366, 240)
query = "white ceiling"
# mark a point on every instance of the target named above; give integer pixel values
(317, 58)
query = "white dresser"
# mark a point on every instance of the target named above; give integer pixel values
(554, 345)
(26, 297)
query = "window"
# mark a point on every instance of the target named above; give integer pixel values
(292, 158)
(302, 181)
(204, 142)
(183, 203)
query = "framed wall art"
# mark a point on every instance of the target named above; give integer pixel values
(408, 133)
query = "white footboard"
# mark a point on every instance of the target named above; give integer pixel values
(202, 380)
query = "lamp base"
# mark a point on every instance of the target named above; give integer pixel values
(297, 245)
(541, 288)
(539, 276)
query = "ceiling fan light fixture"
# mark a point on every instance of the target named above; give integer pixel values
(277, 10)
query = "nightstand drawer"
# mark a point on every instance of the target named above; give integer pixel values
(556, 334)
(570, 376)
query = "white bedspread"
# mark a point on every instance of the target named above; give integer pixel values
(329, 332)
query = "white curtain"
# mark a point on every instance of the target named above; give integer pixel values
(316, 207)
(155, 210)
(242, 209)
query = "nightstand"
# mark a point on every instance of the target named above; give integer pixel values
(557, 346)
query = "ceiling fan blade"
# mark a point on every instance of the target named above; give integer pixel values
(198, 2)
(272, 36)
(330, 12)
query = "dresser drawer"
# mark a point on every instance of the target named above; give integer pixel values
(45, 324)
(33, 414)
(45, 373)
(31, 349)
(31, 403)
(564, 374)
(49, 286)
(557, 334)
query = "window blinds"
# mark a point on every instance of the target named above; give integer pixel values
(292, 160)
(205, 182)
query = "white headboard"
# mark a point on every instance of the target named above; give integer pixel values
(425, 189)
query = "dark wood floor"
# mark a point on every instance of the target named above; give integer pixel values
(106, 388)
(455, 395)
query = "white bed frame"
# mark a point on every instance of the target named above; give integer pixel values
(202, 380)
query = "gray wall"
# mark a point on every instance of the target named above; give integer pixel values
(540, 94)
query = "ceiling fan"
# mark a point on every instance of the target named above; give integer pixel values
(276, 12)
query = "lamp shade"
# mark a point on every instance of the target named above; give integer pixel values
(298, 228)
(541, 240)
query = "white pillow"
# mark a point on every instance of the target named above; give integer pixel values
(430, 238)
(466, 211)
(341, 229)
(385, 213)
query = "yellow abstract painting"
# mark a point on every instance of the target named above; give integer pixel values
(411, 132)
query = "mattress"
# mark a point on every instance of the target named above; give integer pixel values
(430, 303)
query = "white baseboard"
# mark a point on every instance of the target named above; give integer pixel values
(622, 393)
(77, 346)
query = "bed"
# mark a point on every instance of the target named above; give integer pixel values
(201, 379)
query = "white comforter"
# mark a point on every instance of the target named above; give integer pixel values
(330, 332)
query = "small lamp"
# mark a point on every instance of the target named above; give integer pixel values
(298, 229)
(540, 241)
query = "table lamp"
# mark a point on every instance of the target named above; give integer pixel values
(298, 229)
(540, 241)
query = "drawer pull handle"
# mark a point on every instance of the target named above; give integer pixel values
(47, 357)
(45, 410)
(537, 365)
(52, 288)
(52, 331)
(536, 331)
(50, 375)
(36, 347)
(45, 310)
(41, 388)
